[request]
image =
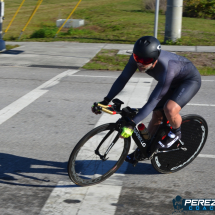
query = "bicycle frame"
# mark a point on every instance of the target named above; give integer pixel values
(144, 146)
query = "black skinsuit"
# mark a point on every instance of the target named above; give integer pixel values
(178, 80)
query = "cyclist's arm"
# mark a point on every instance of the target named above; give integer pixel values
(160, 90)
(122, 80)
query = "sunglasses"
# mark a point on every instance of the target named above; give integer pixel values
(144, 61)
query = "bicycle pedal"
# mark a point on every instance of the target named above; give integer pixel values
(135, 163)
(182, 143)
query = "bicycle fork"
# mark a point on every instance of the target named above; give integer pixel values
(103, 157)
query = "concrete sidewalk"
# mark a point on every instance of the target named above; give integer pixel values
(123, 46)
(70, 55)
(165, 47)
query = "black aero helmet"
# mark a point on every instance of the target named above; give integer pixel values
(147, 47)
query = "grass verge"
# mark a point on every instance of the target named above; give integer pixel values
(113, 21)
(110, 60)
(9, 47)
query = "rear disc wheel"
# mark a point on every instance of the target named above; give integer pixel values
(194, 132)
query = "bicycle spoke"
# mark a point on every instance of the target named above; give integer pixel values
(88, 157)
(88, 164)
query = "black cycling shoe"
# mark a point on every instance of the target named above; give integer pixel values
(130, 158)
(171, 140)
(134, 157)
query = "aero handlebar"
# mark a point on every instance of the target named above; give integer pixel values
(105, 108)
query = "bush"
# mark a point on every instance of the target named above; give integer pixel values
(76, 32)
(45, 32)
(150, 5)
(199, 8)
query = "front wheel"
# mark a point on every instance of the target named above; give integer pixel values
(87, 167)
(194, 131)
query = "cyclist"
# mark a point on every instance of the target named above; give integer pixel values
(178, 82)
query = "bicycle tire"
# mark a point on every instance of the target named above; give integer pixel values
(76, 167)
(194, 132)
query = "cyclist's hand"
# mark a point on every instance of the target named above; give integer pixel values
(96, 110)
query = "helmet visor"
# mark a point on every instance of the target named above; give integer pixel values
(144, 61)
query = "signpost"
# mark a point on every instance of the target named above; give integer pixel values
(2, 42)
(156, 18)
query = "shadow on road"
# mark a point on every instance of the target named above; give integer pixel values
(13, 169)
(13, 52)
(141, 169)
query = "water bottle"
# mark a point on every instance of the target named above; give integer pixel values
(144, 131)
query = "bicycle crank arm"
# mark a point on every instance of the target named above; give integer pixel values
(181, 148)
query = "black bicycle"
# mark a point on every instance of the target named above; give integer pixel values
(101, 152)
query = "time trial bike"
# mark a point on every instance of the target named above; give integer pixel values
(101, 151)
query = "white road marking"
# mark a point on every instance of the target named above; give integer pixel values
(206, 156)
(207, 105)
(207, 80)
(95, 76)
(115, 77)
(98, 199)
(15, 107)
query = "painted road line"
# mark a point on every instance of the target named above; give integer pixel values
(15, 107)
(102, 198)
(102, 76)
(95, 76)
(206, 156)
(206, 105)
(99, 199)
(144, 80)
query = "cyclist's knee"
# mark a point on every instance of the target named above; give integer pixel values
(171, 108)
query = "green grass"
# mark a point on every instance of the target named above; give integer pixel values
(9, 47)
(113, 21)
(110, 60)
(207, 71)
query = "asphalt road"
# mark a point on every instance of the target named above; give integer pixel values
(37, 141)
(40, 129)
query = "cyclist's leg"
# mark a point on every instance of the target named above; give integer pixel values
(180, 97)
(157, 115)
(171, 110)
(156, 120)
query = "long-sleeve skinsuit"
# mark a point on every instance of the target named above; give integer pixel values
(178, 80)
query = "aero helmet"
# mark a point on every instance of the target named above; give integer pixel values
(146, 50)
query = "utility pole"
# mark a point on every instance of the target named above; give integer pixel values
(173, 20)
(2, 42)
(156, 18)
